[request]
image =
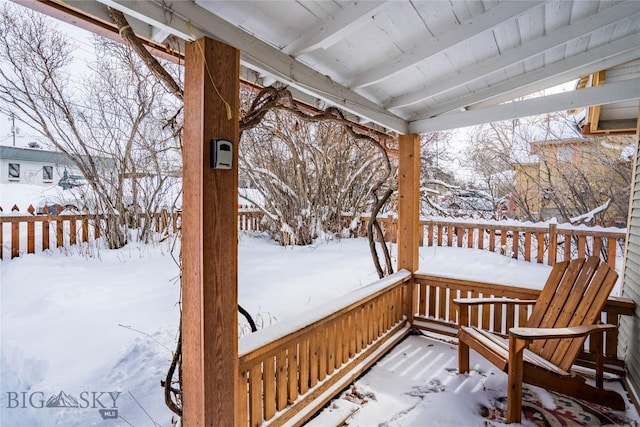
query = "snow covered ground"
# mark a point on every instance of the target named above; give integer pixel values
(97, 331)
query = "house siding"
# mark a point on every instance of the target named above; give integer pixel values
(32, 163)
(629, 342)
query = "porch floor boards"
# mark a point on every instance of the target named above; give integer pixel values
(416, 384)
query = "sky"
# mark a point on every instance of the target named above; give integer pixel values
(82, 55)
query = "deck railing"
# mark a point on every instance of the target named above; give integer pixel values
(434, 311)
(291, 369)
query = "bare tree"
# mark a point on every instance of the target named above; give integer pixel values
(309, 175)
(107, 124)
(435, 175)
(311, 167)
(549, 183)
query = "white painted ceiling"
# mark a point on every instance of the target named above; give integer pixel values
(414, 66)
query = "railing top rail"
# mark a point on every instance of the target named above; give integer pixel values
(488, 225)
(41, 218)
(262, 342)
(621, 305)
(525, 226)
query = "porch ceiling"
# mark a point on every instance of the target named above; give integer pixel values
(411, 66)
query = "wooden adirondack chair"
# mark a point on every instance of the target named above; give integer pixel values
(543, 352)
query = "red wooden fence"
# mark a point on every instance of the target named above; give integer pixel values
(25, 232)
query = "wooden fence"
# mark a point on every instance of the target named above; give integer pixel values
(25, 232)
(540, 242)
(289, 378)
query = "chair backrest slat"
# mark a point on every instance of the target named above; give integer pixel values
(573, 347)
(547, 294)
(575, 294)
(574, 298)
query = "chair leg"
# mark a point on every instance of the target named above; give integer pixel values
(597, 344)
(514, 380)
(463, 357)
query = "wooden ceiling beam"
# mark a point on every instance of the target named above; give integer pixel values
(94, 17)
(458, 34)
(600, 58)
(613, 92)
(335, 28)
(532, 48)
(257, 55)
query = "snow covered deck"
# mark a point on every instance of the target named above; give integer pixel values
(417, 385)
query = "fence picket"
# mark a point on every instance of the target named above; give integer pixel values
(68, 224)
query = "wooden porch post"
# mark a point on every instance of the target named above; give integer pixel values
(209, 237)
(409, 212)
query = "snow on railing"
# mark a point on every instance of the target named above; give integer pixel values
(291, 369)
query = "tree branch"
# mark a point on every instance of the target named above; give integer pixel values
(126, 32)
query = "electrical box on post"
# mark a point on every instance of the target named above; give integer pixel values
(221, 154)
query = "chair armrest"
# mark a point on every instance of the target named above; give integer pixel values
(569, 332)
(481, 301)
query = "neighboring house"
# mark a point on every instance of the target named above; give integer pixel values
(567, 178)
(33, 166)
(613, 118)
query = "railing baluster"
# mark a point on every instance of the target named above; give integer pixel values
(337, 362)
(314, 351)
(442, 302)
(540, 241)
(422, 299)
(568, 241)
(268, 383)
(611, 252)
(511, 317)
(331, 348)
(553, 244)
(432, 301)
(292, 373)
(304, 366)
(582, 246)
(243, 395)
(492, 240)
(281, 381)
(256, 399)
(497, 318)
(321, 343)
